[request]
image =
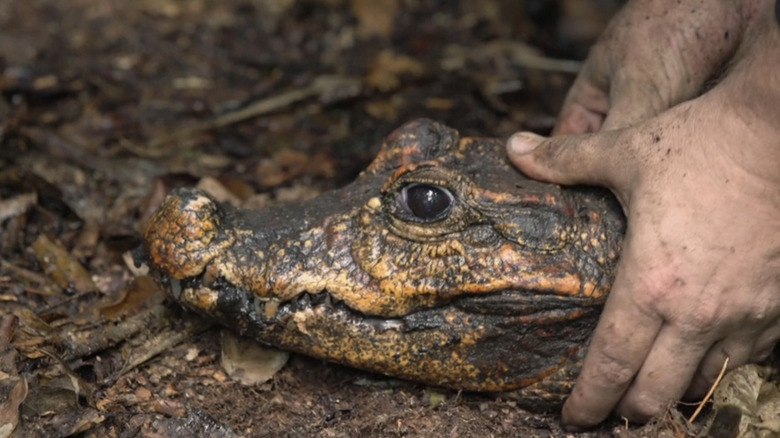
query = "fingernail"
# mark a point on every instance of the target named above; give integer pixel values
(570, 428)
(524, 142)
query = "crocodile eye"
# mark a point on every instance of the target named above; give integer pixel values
(426, 202)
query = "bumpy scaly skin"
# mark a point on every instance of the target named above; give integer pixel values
(500, 294)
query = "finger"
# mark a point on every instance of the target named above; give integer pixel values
(738, 349)
(584, 108)
(576, 118)
(741, 348)
(620, 344)
(766, 342)
(667, 372)
(634, 102)
(573, 159)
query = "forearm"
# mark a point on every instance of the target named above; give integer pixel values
(756, 71)
(748, 96)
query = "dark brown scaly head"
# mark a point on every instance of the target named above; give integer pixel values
(440, 263)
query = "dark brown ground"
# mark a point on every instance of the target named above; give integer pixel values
(108, 104)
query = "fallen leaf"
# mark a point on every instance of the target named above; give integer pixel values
(249, 362)
(61, 267)
(389, 67)
(143, 394)
(17, 205)
(435, 398)
(216, 189)
(31, 322)
(296, 192)
(284, 166)
(752, 401)
(375, 17)
(142, 292)
(87, 240)
(9, 409)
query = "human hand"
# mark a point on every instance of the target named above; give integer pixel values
(699, 276)
(653, 55)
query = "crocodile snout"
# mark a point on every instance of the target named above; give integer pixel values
(185, 234)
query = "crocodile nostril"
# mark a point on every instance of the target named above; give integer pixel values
(426, 202)
(185, 234)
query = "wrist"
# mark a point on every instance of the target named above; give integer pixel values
(746, 102)
(753, 83)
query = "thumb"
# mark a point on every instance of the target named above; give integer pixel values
(593, 159)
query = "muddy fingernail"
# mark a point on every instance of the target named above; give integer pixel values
(524, 142)
(570, 428)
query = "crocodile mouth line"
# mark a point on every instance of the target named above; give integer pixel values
(511, 305)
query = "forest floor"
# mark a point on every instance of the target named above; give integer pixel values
(107, 105)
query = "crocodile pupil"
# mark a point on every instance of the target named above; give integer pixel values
(426, 202)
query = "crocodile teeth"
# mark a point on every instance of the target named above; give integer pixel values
(383, 325)
(176, 288)
(271, 307)
(259, 304)
(304, 300)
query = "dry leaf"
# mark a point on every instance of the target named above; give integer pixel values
(141, 293)
(61, 267)
(290, 165)
(284, 166)
(388, 68)
(249, 362)
(213, 187)
(9, 409)
(17, 205)
(752, 399)
(375, 17)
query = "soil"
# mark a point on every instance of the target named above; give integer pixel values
(107, 105)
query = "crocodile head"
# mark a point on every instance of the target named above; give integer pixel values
(440, 263)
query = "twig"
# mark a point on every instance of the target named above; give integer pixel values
(712, 389)
(319, 87)
(161, 342)
(518, 53)
(25, 274)
(79, 385)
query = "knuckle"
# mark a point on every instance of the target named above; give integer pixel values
(612, 368)
(764, 309)
(694, 311)
(654, 288)
(705, 317)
